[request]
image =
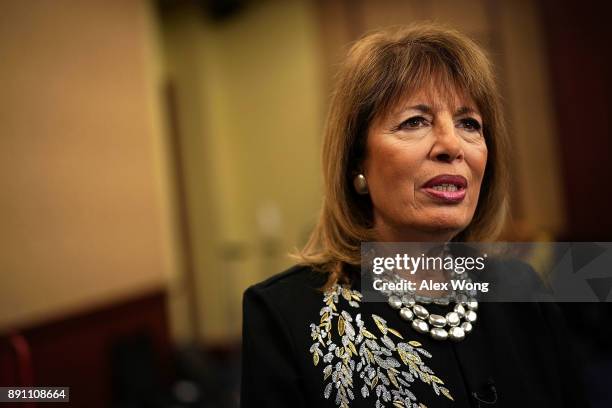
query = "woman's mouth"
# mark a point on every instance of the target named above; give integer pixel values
(446, 188)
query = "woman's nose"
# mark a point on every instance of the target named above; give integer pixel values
(447, 146)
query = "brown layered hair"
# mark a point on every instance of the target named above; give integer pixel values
(382, 68)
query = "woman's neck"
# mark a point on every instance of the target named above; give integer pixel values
(390, 233)
(422, 243)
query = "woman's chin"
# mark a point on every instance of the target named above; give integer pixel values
(444, 223)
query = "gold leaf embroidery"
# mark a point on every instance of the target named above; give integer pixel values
(324, 317)
(436, 379)
(404, 356)
(370, 357)
(367, 334)
(346, 293)
(395, 332)
(352, 347)
(446, 393)
(392, 378)
(360, 354)
(380, 323)
(409, 357)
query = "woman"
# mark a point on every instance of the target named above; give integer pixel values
(414, 150)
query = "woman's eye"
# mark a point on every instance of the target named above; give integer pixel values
(413, 123)
(469, 124)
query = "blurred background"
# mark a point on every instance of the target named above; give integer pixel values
(158, 157)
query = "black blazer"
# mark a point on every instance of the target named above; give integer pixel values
(304, 348)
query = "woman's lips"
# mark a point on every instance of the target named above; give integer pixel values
(446, 196)
(446, 188)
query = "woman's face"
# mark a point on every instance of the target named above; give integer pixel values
(424, 165)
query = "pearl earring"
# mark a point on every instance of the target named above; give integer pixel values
(360, 184)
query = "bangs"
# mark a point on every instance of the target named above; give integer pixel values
(406, 70)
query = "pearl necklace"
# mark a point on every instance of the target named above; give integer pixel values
(454, 325)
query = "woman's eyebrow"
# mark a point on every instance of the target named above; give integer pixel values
(420, 107)
(464, 110)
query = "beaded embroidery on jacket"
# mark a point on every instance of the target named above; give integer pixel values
(386, 365)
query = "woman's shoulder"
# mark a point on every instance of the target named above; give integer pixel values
(512, 279)
(297, 285)
(296, 275)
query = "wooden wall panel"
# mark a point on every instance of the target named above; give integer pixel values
(76, 351)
